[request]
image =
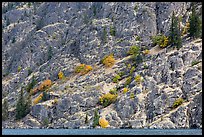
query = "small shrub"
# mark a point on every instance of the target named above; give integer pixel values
(121, 74)
(195, 62)
(45, 122)
(137, 38)
(61, 75)
(29, 71)
(29, 4)
(134, 50)
(103, 122)
(132, 96)
(107, 99)
(116, 79)
(54, 36)
(83, 69)
(113, 91)
(31, 85)
(132, 70)
(125, 90)
(38, 99)
(177, 103)
(186, 28)
(146, 52)
(136, 8)
(138, 59)
(145, 66)
(128, 81)
(109, 60)
(160, 40)
(19, 68)
(45, 96)
(119, 40)
(79, 68)
(112, 31)
(96, 119)
(45, 84)
(138, 78)
(129, 66)
(55, 101)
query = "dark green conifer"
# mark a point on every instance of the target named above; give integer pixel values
(5, 109)
(195, 24)
(175, 33)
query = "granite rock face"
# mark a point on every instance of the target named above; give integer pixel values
(43, 38)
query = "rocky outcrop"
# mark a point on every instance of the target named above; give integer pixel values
(41, 38)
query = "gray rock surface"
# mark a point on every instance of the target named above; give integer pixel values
(44, 38)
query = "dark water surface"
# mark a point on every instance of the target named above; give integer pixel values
(102, 131)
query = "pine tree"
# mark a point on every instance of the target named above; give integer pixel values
(20, 107)
(50, 53)
(195, 24)
(5, 109)
(7, 21)
(175, 33)
(96, 119)
(86, 119)
(104, 37)
(28, 105)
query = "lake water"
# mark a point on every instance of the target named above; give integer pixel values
(102, 132)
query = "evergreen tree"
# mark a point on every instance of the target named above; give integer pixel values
(86, 119)
(104, 37)
(31, 85)
(7, 22)
(28, 105)
(20, 107)
(175, 33)
(45, 96)
(195, 24)
(5, 109)
(50, 53)
(96, 119)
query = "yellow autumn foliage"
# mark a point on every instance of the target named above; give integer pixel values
(83, 69)
(107, 99)
(108, 61)
(36, 101)
(146, 52)
(60, 75)
(138, 78)
(125, 90)
(103, 122)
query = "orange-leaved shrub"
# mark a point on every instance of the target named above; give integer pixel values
(41, 87)
(44, 84)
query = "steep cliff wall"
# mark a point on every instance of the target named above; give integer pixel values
(43, 38)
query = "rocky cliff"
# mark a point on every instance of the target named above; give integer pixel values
(41, 39)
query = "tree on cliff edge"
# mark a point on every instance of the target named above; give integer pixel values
(195, 24)
(175, 33)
